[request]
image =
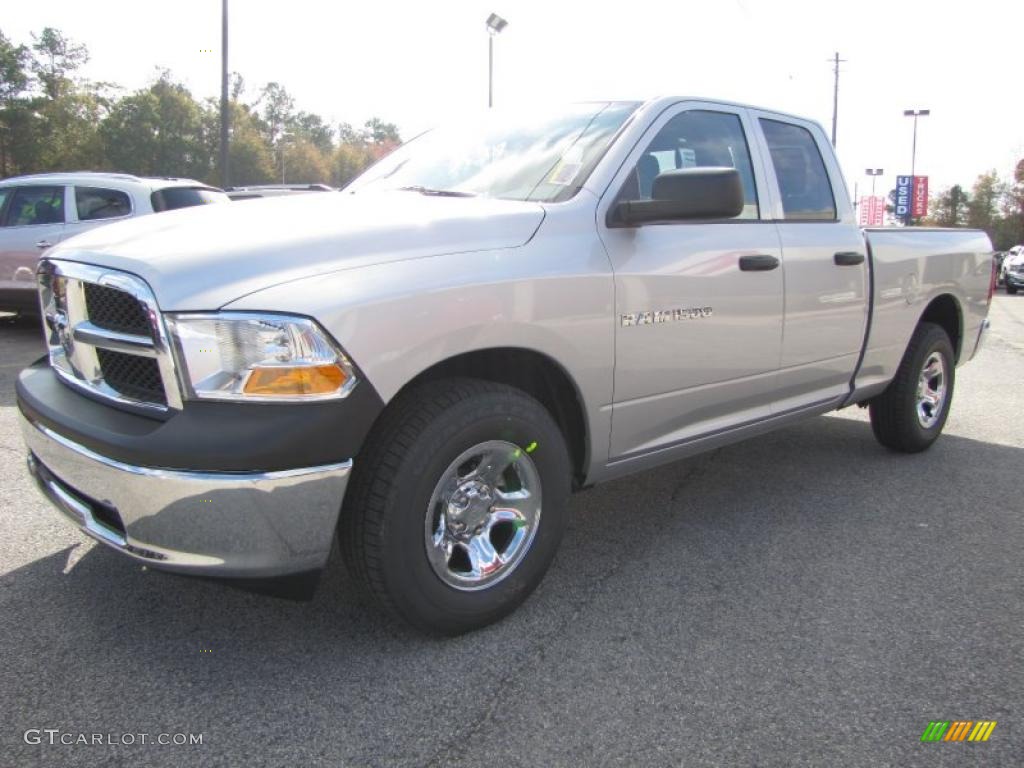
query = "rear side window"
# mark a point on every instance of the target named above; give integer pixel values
(803, 181)
(184, 197)
(95, 203)
(35, 205)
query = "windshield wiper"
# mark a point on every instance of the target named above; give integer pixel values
(436, 192)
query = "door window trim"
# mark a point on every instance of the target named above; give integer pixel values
(6, 201)
(754, 148)
(16, 189)
(844, 209)
(74, 204)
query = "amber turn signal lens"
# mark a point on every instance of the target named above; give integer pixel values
(304, 380)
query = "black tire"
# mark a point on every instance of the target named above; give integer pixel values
(382, 524)
(894, 415)
(1011, 289)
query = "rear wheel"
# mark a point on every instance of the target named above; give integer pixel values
(910, 414)
(1011, 289)
(457, 504)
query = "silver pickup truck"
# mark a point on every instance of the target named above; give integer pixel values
(428, 363)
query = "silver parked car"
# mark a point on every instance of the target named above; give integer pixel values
(39, 211)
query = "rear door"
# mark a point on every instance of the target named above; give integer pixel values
(33, 220)
(698, 338)
(825, 263)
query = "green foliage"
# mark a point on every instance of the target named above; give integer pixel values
(15, 117)
(158, 131)
(983, 208)
(948, 208)
(56, 58)
(52, 119)
(994, 205)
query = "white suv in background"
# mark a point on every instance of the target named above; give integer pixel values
(1012, 270)
(41, 210)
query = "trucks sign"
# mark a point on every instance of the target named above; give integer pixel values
(911, 197)
(919, 202)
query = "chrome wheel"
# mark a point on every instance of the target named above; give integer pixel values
(483, 515)
(931, 390)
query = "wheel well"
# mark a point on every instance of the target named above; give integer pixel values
(944, 311)
(537, 375)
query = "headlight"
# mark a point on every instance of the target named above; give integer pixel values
(248, 356)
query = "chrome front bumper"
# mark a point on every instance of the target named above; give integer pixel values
(224, 524)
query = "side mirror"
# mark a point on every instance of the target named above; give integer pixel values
(686, 193)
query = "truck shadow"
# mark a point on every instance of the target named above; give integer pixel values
(714, 530)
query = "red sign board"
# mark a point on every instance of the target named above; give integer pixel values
(872, 211)
(919, 197)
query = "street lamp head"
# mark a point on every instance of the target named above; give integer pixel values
(873, 171)
(495, 24)
(916, 112)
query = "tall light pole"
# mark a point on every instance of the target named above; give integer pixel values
(225, 174)
(914, 113)
(874, 173)
(835, 95)
(494, 26)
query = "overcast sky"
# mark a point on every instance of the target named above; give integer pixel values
(413, 63)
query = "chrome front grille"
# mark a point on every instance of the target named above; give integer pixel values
(134, 377)
(115, 310)
(106, 336)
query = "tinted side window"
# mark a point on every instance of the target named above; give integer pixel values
(696, 139)
(803, 181)
(94, 203)
(4, 194)
(184, 197)
(36, 205)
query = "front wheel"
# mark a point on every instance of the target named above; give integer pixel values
(1011, 289)
(910, 414)
(457, 504)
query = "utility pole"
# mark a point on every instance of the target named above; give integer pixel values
(225, 174)
(835, 95)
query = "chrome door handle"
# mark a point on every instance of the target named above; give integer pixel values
(44, 244)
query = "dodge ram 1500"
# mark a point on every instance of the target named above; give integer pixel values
(426, 364)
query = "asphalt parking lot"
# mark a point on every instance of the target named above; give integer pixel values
(802, 599)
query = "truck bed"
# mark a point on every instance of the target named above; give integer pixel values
(910, 267)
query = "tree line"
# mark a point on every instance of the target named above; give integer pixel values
(54, 119)
(993, 204)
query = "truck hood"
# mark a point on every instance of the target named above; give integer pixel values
(202, 258)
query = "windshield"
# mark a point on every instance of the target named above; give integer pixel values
(509, 155)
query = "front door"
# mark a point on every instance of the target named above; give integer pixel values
(33, 220)
(698, 304)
